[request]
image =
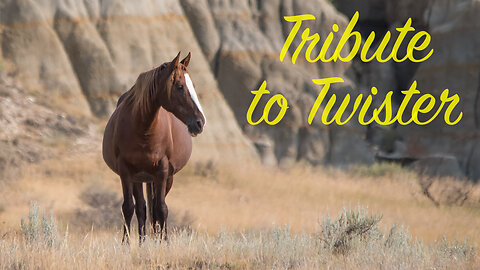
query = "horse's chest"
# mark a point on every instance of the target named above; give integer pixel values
(149, 165)
(148, 156)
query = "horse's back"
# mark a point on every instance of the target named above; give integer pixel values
(110, 138)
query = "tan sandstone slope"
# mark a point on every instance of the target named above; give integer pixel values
(86, 53)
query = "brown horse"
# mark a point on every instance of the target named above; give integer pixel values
(148, 140)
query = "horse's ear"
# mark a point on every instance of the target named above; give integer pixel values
(175, 60)
(186, 60)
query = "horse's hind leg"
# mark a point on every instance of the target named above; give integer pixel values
(140, 210)
(127, 208)
(169, 184)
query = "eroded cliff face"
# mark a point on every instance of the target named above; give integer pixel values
(86, 53)
(242, 41)
(454, 65)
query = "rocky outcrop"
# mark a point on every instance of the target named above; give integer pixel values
(85, 53)
(92, 51)
(28, 40)
(32, 131)
(454, 65)
(251, 36)
(88, 52)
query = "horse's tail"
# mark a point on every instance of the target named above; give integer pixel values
(150, 204)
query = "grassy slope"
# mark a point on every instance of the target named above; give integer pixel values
(230, 199)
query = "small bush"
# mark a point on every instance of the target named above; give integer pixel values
(457, 250)
(356, 236)
(350, 225)
(206, 169)
(44, 231)
(100, 198)
(104, 208)
(448, 191)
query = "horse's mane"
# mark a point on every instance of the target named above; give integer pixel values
(143, 92)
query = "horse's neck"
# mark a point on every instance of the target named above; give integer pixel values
(145, 113)
(144, 120)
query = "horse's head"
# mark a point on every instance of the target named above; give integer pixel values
(182, 98)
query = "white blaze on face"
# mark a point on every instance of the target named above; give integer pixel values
(193, 95)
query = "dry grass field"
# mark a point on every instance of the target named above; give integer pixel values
(247, 217)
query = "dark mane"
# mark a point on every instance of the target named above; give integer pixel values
(142, 93)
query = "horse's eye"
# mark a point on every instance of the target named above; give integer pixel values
(180, 88)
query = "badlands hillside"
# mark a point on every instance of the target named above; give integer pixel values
(74, 58)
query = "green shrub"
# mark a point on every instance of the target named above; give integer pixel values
(458, 250)
(356, 236)
(44, 231)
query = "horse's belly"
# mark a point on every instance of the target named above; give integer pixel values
(178, 164)
(180, 154)
(143, 176)
(181, 149)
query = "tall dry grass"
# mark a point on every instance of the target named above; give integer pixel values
(240, 218)
(352, 241)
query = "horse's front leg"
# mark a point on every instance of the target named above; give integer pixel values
(127, 207)
(161, 209)
(160, 206)
(168, 186)
(140, 210)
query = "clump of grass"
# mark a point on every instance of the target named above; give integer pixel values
(339, 235)
(42, 230)
(356, 231)
(458, 250)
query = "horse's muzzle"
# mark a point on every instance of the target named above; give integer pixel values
(195, 127)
